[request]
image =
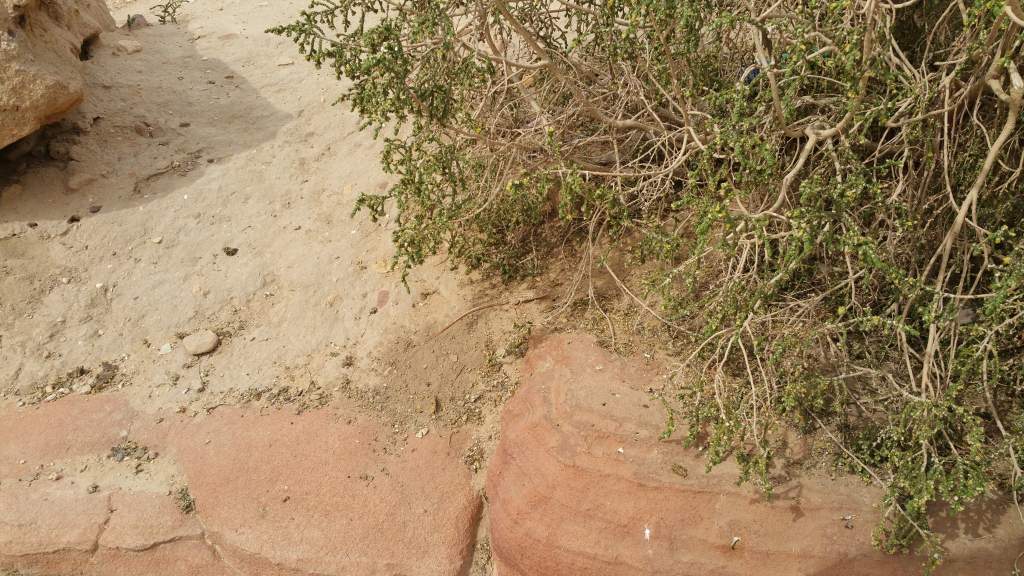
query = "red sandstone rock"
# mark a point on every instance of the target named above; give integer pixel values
(71, 427)
(306, 494)
(276, 495)
(178, 558)
(48, 517)
(580, 484)
(60, 529)
(143, 521)
(44, 524)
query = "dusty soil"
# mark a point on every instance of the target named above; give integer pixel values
(218, 139)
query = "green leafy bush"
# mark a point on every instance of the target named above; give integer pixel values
(829, 192)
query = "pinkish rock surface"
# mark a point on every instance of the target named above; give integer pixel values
(580, 484)
(275, 494)
(74, 426)
(46, 517)
(59, 528)
(142, 521)
(177, 558)
(312, 495)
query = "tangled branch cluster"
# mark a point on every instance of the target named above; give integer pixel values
(829, 191)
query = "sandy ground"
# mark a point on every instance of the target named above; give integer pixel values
(217, 136)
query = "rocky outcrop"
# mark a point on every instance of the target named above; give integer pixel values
(42, 43)
(286, 494)
(274, 495)
(581, 484)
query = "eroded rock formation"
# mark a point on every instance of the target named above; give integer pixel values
(42, 45)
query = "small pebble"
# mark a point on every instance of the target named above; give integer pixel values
(423, 432)
(95, 208)
(230, 251)
(202, 342)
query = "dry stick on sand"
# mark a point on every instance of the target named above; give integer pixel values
(512, 301)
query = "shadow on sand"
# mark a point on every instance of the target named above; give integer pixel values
(152, 122)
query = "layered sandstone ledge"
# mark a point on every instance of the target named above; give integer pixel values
(580, 484)
(274, 494)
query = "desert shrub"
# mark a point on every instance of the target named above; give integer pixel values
(829, 193)
(168, 11)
